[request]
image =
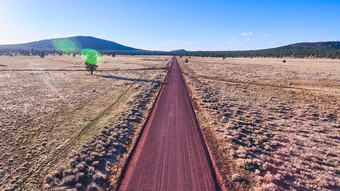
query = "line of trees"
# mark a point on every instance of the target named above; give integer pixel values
(295, 52)
(42, 53)
(317, 53)
(287, 51)
(300, 50)
(24, 52)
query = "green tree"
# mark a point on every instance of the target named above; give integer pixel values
(113, 54)
(186, 60)
(90, 67)
(91, 61)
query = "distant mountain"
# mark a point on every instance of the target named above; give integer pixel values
(299, 50)
(179, 50)
(334, 45)
(83, 41)
(329, 49)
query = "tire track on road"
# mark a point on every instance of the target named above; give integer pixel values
(171, 153)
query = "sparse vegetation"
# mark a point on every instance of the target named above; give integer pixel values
(276, 125)
(53, 118)
(91, 166)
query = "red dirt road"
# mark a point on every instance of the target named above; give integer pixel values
(170, 154)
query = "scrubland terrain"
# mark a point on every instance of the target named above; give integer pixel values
(63, 125)
(276, 125)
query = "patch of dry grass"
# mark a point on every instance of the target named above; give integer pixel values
(277, 123)
(47, 114)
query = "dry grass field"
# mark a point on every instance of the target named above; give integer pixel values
(52, 112)
(276, 125)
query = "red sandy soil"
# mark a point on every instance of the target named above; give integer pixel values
(171, 154)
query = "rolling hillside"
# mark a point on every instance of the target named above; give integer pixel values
(83, 41)
(329, 49)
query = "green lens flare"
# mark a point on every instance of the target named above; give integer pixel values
(91, 56)
(65, 45)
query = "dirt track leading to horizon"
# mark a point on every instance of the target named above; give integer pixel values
(171, 153)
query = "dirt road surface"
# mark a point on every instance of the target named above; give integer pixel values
(170, 154)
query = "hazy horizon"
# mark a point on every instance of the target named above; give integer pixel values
(161, 50)
(172, 25)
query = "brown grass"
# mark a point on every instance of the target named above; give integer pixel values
(277, 124)
(45, 115)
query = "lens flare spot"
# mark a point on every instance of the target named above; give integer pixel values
(91, 56)
(66, 45)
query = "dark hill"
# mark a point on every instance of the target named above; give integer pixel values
(83, 41)
(329, 49)
(311, 45)
(179, 50)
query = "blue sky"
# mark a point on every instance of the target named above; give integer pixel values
(169, 25)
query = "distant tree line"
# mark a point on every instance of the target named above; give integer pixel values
(31, 52)
(301, 50)
(42, 53)
(296, 53)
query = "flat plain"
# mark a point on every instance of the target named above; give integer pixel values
(51, 109)
(272, 125)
